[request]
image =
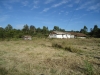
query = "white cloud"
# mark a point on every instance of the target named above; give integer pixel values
(95, 7)
(35, 4)
(59, 4)
(62, 11)
(35, 1)
(13, 1)
(59, 13)
(85, 5)
(46, 9)
(67, 13)
(90, 5)
(70, 5)
(49, 1)
(25, 3)
(34, 7)
(77, 1)
(4, 18)
(8, 6)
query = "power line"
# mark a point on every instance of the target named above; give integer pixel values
(73, 12)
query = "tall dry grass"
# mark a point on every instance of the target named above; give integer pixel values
(38, 57)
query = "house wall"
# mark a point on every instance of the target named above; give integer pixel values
(52, 36)
(59, 36)
(72, 36)
(81, 37)
(64, 36)
(68, 36)
(55, 36)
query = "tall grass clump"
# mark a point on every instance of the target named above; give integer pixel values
(66, 48)
(3, 71)
(88, 68)
(56, 45)
(72, 49)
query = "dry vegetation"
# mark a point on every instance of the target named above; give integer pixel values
(50, 57)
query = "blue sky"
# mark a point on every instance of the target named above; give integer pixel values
(67, 14)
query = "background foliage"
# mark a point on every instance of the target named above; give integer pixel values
(9, 32)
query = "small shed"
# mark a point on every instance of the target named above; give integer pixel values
(27, 37)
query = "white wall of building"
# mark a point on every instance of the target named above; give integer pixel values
(81, 37)
(68, 36)
(64, 36)
(59, 36)
(72, 36)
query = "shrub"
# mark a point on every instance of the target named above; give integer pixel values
(66, 48)
(3, 71)
(89, 68)
(56, 45)
(71, 49)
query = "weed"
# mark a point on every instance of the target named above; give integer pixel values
(71, 49)
(89, 68)
(66, 48)
(53, 71)
(3, 71)
(37, 57)
(56, 45)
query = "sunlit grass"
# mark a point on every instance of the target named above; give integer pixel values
(42, 56)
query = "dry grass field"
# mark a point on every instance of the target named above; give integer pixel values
(50, 57)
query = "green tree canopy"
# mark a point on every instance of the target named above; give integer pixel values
(8, 27)
(56, 28)
(32, 29)
(84, 30)
(26, 29)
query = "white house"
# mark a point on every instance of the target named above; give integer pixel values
(58, 34)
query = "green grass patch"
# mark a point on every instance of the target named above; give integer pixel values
(88, 68)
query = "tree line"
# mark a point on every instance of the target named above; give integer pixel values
(94, 32)
(9, 32)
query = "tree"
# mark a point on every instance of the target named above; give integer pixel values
(56, 28)
(45, 30)
(95, 31)
(8, 27)
(9, 31)
(2, 33)
(26, 29)
(91, 32)
(62, 29)
(38, 30)
(32, 29)
(84, 30)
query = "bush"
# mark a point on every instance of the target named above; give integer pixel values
(56, 45)
(89, 68)
(71, 49)
(66, 48)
